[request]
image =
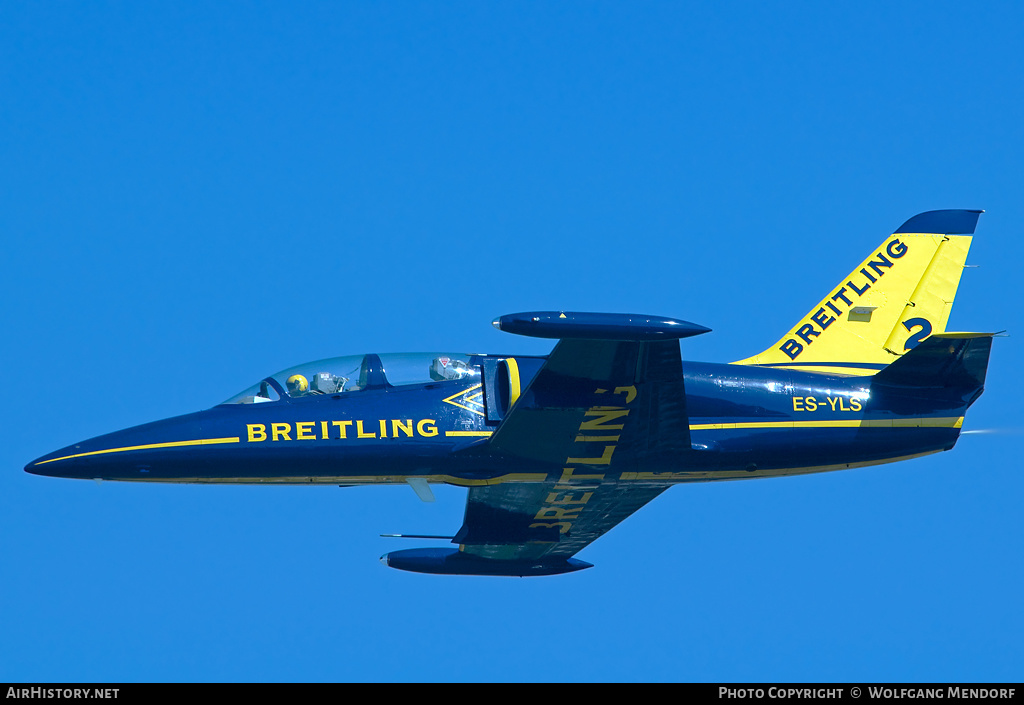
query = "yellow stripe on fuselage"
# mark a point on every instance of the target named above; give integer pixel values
(354, 481)
(148, 446)
(937, 422)
(930, 422)
(713, 475)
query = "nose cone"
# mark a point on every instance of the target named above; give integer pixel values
(95, 458)
(46, 465)
(159, 449)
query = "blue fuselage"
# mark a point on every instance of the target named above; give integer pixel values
(744, 422)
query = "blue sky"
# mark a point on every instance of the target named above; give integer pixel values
(193, 197)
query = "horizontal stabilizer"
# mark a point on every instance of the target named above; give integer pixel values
(943, 360)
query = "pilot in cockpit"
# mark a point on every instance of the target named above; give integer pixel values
(323, 383)
(298, 386)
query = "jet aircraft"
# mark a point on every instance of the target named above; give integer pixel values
(556, 450)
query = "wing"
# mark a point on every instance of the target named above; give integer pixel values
(596, 413)
(595, 401)
(544, 522)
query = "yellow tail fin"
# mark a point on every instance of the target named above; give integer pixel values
(902, 293)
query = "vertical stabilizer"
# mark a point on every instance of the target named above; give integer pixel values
(899, 295)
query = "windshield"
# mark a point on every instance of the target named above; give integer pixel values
(353, 373)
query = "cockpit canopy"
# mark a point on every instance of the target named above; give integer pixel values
(354, 373)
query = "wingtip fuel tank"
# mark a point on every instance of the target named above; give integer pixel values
(596, 326)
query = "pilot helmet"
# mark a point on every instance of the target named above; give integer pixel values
(297, 384)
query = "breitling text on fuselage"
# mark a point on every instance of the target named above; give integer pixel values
(341, 429)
